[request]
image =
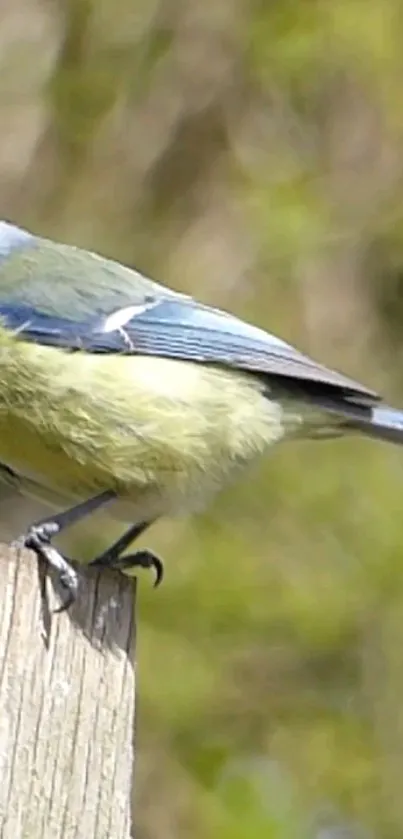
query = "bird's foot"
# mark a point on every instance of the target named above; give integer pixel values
(38, 539)
(139, 559)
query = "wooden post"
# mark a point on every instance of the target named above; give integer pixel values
(67, 694)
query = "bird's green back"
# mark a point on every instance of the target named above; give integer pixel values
(65, 281)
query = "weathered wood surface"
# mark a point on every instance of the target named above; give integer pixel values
(67, 703)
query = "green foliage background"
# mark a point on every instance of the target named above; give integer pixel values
(250, 152)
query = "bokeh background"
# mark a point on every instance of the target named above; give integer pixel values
(250, 152)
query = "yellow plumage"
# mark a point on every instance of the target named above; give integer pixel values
(163, 434)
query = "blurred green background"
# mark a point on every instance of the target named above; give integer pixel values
(251, 153)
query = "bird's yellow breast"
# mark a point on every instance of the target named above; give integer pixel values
(163, 433)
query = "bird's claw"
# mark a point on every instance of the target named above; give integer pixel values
(148, 559)
(38, 540)
(140, 559)
(68, 579)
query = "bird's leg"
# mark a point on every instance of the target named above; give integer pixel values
(38, 539)
(113, 558)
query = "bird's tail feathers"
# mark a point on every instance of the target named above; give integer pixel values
(381, 423)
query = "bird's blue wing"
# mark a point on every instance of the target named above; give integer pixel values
(31, 324)
(183, 329)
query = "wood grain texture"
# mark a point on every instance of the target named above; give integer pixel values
(67, 703)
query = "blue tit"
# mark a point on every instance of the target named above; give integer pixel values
(119, 393)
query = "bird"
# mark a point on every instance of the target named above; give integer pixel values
(120, 394)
